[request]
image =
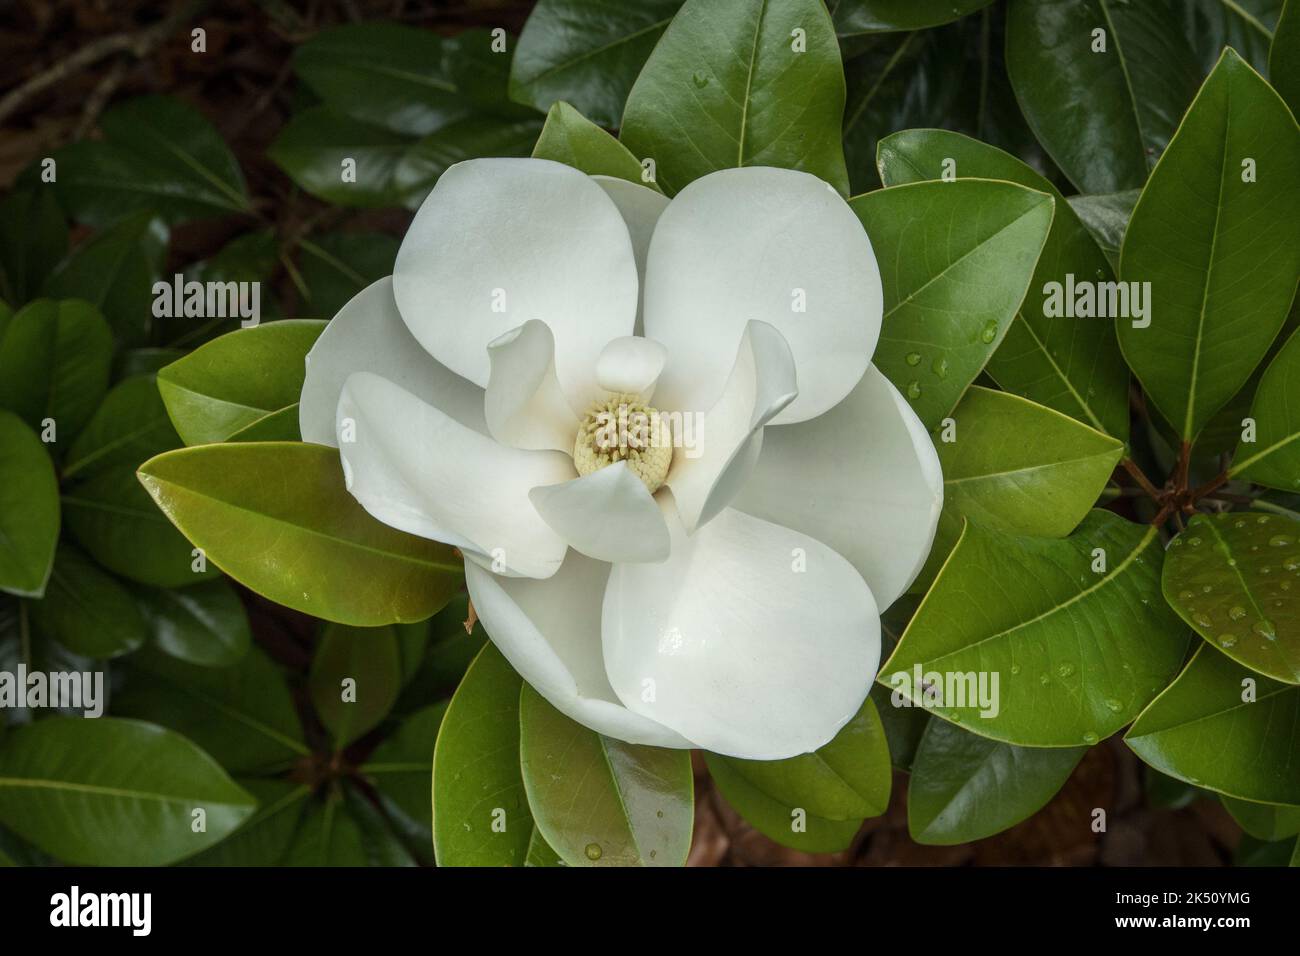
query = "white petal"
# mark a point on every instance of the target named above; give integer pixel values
(501, 241)
(550, 632)
(757, 243)
(368, 335)
(641, 207)
(607, 515)
(864, 478)
(525, 406)
(631, 363)
(418, 470)
(757, 641)
(704, 478)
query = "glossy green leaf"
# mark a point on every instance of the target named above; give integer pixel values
(995, 478)
(203, 624)
(355, 678)
(33, 238)
(1284, 57)
(129, 427)
(1273, 458)
(401, 770)
(114, 270)
(29, 509)
(54, 364)
(1245, 25)
(279, 425)
(1264, 821)
(540, 853)
(790, 826)
(848, 779)
(1104, 115)
(1235, 579)
(336, 266)
(237, 379)
(1225, 728)
(724, 87)
(465, 139)
(965, 787)
(955, 261)
(450, 651)
(263, 838)
(242, 714)
(129, 363)
(853, 17)
(1070, 364)
(480, 811)
(570, 138)
(112, 517)
(903, 726)
(1106, 216)
(344, 830)
(87, 611)
(114, 792)
(588, 52)
(599, 801)
(1077, 619)
(1221, 254)
(159, 156)
(277, 518)
(313, 149)
(250, 258)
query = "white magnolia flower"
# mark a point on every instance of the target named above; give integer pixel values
(723, 593)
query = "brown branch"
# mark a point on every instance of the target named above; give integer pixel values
(1129, 465)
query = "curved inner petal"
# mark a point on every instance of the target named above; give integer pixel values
(631, 364)
(550, 632)
(368, 335)
(416, 469)
(704, 478)
(759, 243)
(524, 405)
(608, 515)
(864, 478)
(751, 640)
(501, 241)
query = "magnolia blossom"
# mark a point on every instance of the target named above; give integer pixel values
(653, 428)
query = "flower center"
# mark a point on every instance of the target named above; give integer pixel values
(621, 427)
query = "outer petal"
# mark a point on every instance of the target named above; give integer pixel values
(631, 364)
(501, 241)
(771, 244)
(727, 440)
(608, 515)
(864, 478)
(416, 469)
(756, 641)
(641, 207)
(368, 335)
(525, 406)
(550, 632)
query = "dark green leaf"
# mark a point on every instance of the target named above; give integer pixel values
(33, 238)
(312, 149)
(263, 838)
(1106, 215)
(87, 611)
(465, 139)
(401, 769)
(355, 678)
(1273, 458)
(203, 624)
(1244, 25)
(1284, 57)
(129, 427)
(882, 16)
(344, 830)
(337, 266)
(29, 509)
(1264, 821)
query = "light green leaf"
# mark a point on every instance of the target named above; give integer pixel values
(1077, 619)
(848, 779)
(369, 658)
(1234, 579)
(570, 138)
(114, 792)
(599, 801)
(54, 364)
(1273, 458)
(237, 379)
(1206, 730)
(965, 787)
(242, 715)
(1070, 364)
(1104, 115)
(995, 478)
(203, 624)
(276, 517)
(540, 853)
(87, 611)
(1264, 821)
(29, 509)
(955, 261)
(1221, 253)
(588, 52)
(724, 87)
(476, 776)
